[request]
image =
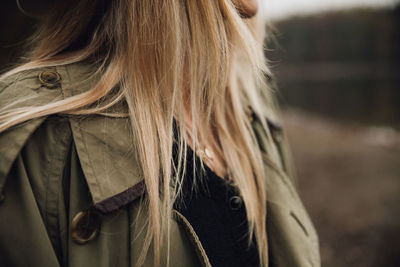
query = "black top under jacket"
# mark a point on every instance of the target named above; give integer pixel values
(216, 211)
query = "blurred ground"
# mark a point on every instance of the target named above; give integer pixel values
(349, 179)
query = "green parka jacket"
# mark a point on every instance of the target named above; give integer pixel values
(70, 187)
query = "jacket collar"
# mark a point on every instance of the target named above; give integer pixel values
(105, 146)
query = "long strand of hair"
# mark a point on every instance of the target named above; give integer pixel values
(158, 57)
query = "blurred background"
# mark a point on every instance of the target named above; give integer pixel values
(337, 66)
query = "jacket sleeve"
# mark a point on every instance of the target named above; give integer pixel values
(33, 214)
(23, 224)
(24, 240)
(18, 91)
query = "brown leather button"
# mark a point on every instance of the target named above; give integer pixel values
(85, 226)
(50, 79)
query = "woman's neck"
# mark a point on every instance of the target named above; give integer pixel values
(206, 147)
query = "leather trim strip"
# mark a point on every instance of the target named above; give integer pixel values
(119, 200)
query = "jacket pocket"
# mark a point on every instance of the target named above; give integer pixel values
(287, 214)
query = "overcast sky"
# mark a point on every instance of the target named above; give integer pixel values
(277, 9)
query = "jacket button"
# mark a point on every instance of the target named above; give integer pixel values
(50, 79)
(85, 226)
(235, 202)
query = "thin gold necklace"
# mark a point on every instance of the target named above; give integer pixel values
(207, 156)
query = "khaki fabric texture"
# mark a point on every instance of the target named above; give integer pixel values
(53, 168)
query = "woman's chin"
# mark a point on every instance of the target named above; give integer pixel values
(247, 8)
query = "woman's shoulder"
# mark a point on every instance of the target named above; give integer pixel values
(105, 144)
(25, 88)
(22, 90)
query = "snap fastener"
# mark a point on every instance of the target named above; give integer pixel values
(235, 202)
(50, 79)
(85, 226)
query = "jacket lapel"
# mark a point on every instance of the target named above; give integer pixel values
(105, 147)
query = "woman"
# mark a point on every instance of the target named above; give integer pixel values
(141, 133)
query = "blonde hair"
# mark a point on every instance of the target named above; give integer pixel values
(160, 55)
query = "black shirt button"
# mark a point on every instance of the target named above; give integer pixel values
(50, 79)
(85, 226)
(235, 202)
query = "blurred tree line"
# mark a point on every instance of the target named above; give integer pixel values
(342, 64)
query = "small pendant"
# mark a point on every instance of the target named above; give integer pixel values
(205, 154)
(208, 154)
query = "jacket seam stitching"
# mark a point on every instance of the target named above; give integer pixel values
(206, 261)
